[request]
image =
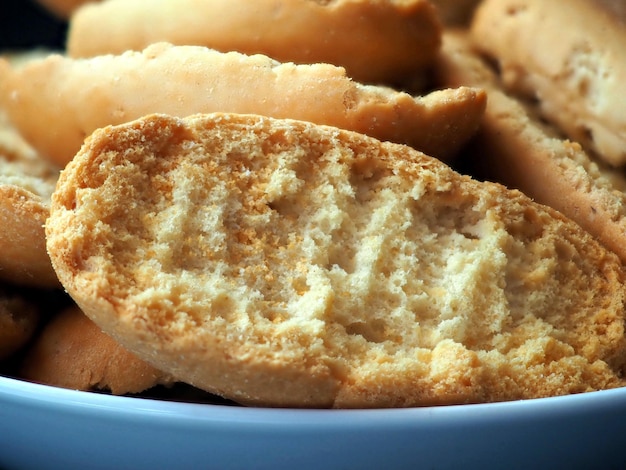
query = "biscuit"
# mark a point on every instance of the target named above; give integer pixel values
(57, 102)
(19, 319)
(26, 183)
(377, 41)
(282, 263)
(517, 149)
(569, 55)
(72, 352)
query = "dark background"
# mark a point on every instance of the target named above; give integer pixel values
(24, 24)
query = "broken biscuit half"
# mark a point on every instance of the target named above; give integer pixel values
(281, 263)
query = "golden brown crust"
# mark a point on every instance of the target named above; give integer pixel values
(575, 72)
(57, 102)
(520, 151)
(377, 41)
(280, 263)
(72, 352)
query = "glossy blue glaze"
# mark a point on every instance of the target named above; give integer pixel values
(46, 427)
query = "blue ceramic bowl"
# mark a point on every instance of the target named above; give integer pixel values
(44, 427)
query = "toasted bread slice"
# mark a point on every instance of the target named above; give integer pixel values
(282, 263)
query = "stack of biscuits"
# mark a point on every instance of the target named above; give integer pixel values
(337, 204)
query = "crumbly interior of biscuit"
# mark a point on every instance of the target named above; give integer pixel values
(408, 283)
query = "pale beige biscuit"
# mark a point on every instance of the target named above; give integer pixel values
(516, 148)
(377, 41)
(19, 317)
(282, 263)
(72, 352)
(59, 101)
(568, 54)
(26, 183)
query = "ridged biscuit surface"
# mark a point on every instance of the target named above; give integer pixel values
(281, 263)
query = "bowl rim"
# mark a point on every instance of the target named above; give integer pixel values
(19, 392)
